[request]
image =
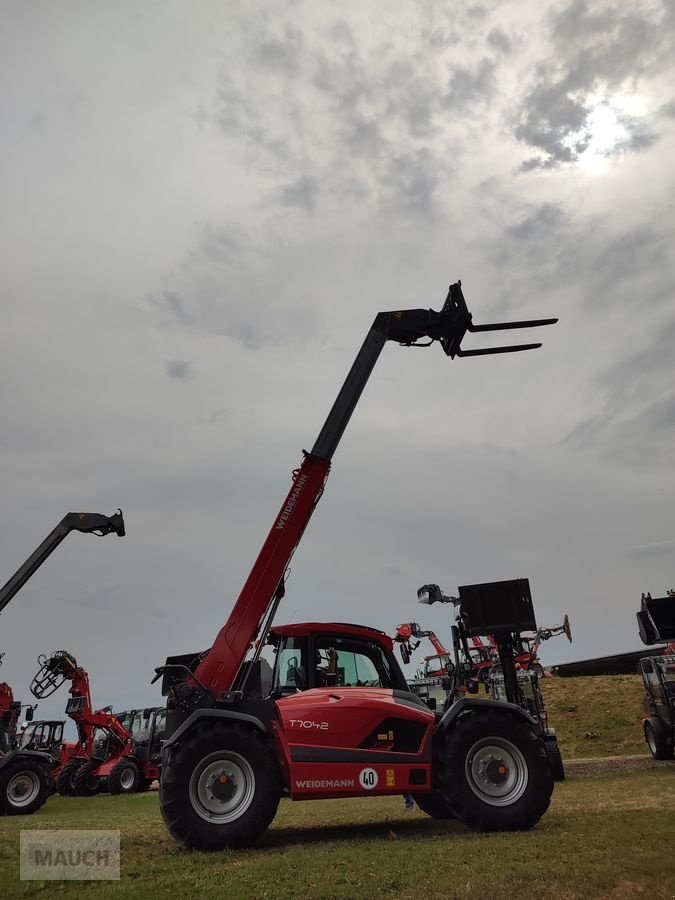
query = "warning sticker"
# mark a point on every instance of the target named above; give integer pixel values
(391, 778)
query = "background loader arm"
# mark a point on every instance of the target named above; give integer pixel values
(254, 610)
(412, 630)
(87, 522)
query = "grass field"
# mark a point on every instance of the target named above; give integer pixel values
(609, 836)
(607, 707)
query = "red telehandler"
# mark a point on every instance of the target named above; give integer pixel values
(339, 720)
(106, 756)
(25, 780)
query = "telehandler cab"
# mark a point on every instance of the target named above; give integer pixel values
(339, 720)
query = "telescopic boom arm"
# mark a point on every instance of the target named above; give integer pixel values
(217, 672)
(86, 522)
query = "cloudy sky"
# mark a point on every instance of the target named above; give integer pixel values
(203, 208)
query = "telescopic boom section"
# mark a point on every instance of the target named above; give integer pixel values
(413, 328)
(87, 522)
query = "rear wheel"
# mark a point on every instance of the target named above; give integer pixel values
(124, 777)
(85, 784)
(64, 780)
(24, 787)
(657, 739)
(494, 772)
(220, 788)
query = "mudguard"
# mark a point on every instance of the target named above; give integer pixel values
(471, 705)
(203, 714)
(34, 755)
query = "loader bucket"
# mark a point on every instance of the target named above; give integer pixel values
(497, 607)
(656, 619)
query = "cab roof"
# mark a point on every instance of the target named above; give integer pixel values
(304, 629)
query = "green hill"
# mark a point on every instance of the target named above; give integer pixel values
(596, 716)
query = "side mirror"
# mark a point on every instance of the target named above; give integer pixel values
(431, 703)
(472, 686)
(29, 713)
(405, 653)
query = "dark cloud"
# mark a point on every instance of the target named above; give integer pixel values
(302, 193)
(170, 302)
(179, 369)
(468, 87)
(635, 423)
(499, 40)
(345, 97)
(597, 48)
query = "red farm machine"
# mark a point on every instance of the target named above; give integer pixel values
(25, 781)
(120, 757)
(656, 623)
(338, 720)
(504, 611)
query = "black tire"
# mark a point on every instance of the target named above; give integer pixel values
(248, 782)
(556, 760)
(537, 669)
(434, 805)
(64, 780)
(143, 785)
(24, 787)
(85, 784)
(656, 736)
(494, 772)
(124, 777)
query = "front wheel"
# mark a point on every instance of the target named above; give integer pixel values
(24, 787)
(220, 788)
(124, 777)
(85, 783)
(64, 780)
(657, 739)
(494, 772)
(556, 760)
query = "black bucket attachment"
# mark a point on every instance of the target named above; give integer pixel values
(656, 618)
(497, 607)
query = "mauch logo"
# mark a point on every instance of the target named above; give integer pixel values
(69, 855)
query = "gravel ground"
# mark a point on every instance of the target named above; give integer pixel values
(604, 764)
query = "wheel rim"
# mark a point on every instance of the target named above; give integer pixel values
(222, 787)
(651, 739)
(496, 771)
(127, 778)
(23, 788)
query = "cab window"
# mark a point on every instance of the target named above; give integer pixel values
(341, 662)
(290, 671)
